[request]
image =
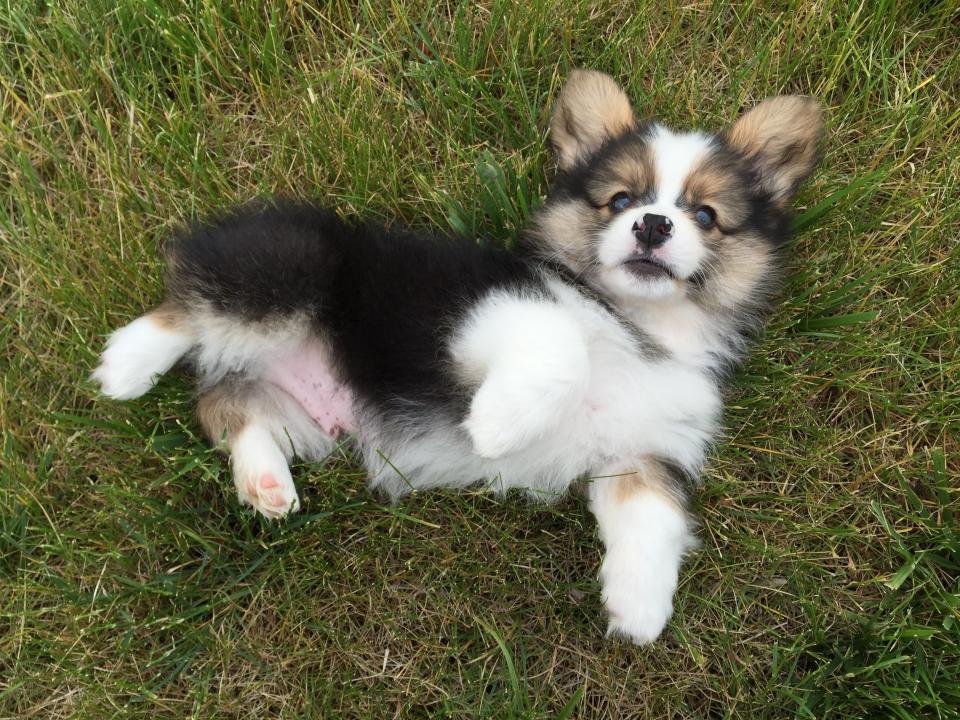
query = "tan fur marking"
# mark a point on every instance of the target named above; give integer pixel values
(739, 276)
(711, 184)
(634, 168)
(169, 316)
(707, 180)
(781, 136)
(590, 109)
(632, 172)
(222, 412)
(648, 476)
(565, 228)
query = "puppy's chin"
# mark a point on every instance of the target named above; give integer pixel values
(628, 285)
(656, 289)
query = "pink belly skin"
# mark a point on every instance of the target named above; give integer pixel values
(307, 377)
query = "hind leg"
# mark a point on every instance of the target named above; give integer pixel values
(138, 353)
(262, 428)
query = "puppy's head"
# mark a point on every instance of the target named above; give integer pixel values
(642, 212)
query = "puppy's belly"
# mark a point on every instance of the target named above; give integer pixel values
(307, 376)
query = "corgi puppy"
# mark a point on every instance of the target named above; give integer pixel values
(593, 354)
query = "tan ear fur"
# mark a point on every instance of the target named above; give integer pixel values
(781, 137)
(590, 109)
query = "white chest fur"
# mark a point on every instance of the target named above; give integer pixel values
(687, 332)
(637, 404)
(562, 388)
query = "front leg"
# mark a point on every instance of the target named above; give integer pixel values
(642, 522)
(529, 363)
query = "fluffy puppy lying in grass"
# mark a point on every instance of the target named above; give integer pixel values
(594, 353)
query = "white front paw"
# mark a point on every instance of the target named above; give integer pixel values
(491, 438)
(494, 425)
(638, 592)
(509, 412)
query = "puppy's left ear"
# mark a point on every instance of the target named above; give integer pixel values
(590, 110)
(781, 138)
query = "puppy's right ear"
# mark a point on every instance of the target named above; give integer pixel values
(591, 109)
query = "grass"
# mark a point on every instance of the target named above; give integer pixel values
(133, 585)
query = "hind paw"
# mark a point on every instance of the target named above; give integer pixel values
(136, 355)
(269, 495)
(261, 474)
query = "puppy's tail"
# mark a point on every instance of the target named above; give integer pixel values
(139, 353)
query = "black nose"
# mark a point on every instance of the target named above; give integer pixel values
(653, 231)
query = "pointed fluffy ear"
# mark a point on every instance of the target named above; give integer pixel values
(781, 138)
(590, 109)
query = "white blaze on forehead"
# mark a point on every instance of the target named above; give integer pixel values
(674, 157)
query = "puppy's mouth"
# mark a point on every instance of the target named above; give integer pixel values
(646, 267)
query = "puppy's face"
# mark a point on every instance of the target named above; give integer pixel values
(642, 212)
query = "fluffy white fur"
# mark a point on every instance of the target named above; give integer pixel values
(224, 346)
(136, 355)
(533, 368)
(601, 419)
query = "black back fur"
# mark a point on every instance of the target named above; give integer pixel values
(386, 298)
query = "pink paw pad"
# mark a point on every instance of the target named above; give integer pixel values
(268, 481)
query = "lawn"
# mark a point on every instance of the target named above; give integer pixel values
(132, 584)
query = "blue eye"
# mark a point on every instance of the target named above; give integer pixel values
(620, 201)
(706, 216)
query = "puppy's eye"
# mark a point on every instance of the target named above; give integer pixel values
(706, 216)
(620, 201)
